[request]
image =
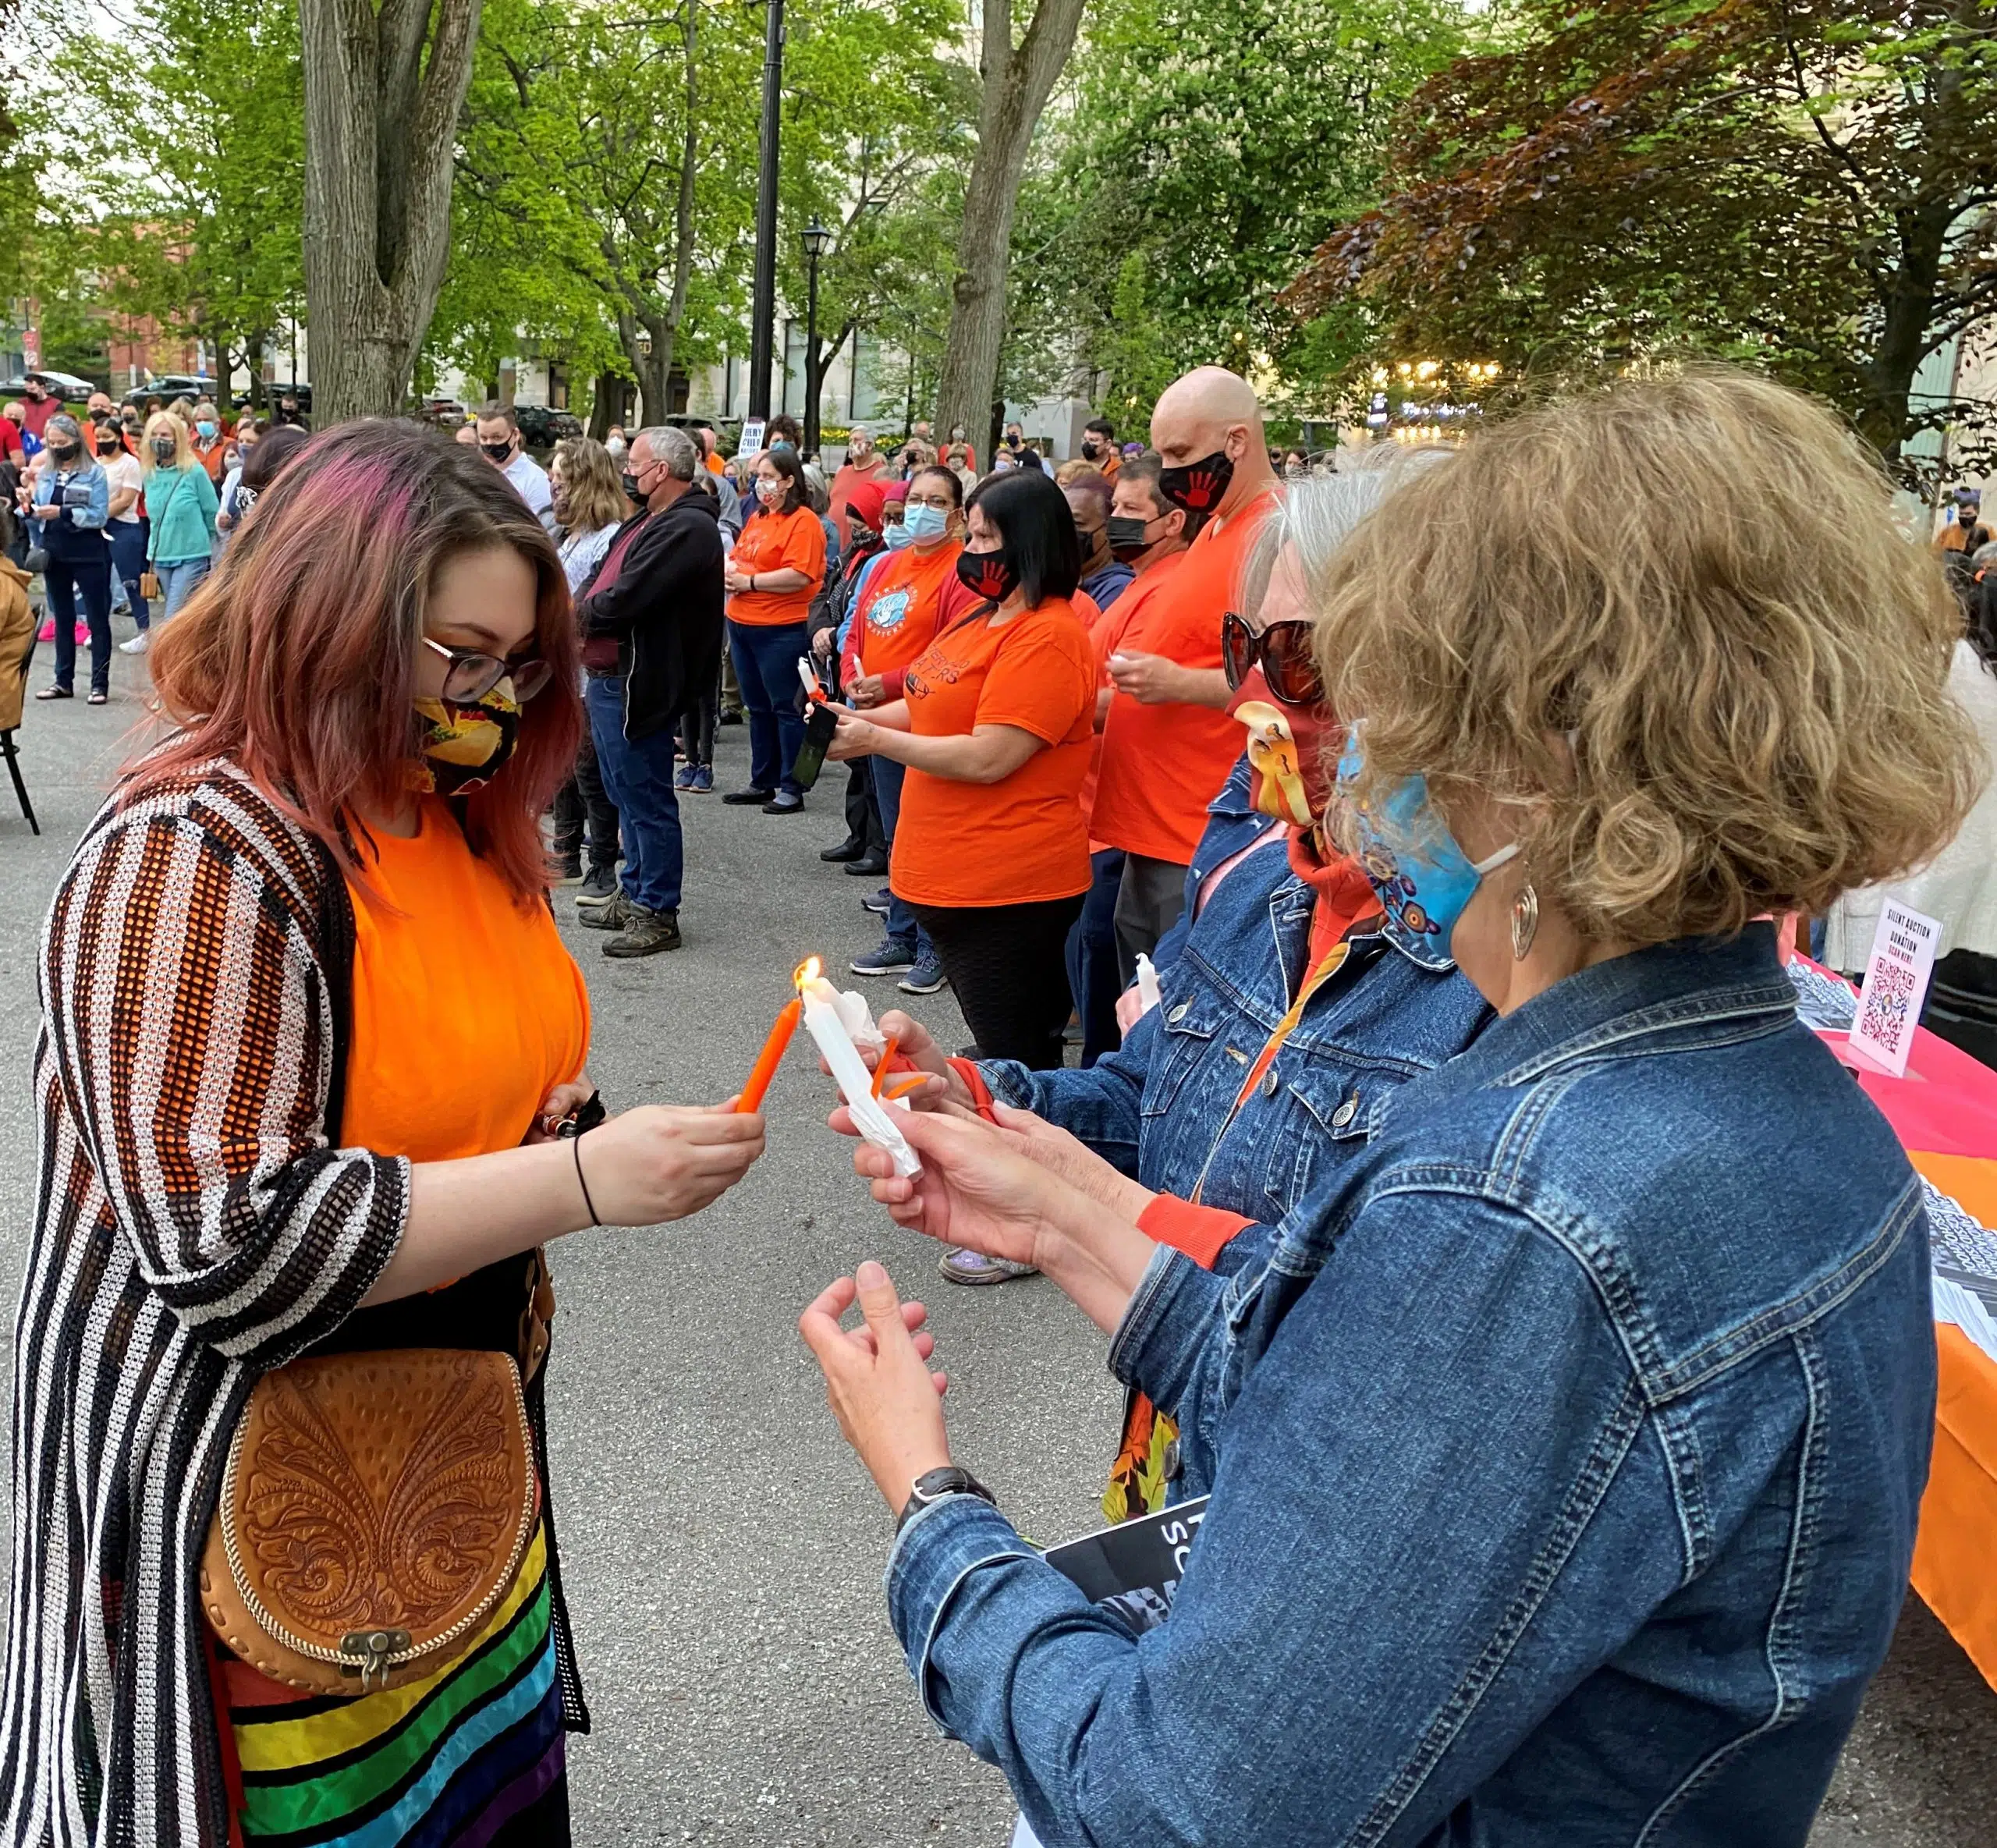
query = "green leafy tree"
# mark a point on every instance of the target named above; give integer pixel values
(1806, 184)
(1210, 146)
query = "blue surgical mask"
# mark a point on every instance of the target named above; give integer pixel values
(925, 523)
(1424, 879)
(897, 537)
(205, 427)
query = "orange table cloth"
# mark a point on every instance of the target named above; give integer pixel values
(1945, 1112)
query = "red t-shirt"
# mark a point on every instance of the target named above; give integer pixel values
(1162, 764)
(10, 442)
(1022, 839)
(35, 417)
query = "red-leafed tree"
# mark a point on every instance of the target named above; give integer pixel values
(1810, 185)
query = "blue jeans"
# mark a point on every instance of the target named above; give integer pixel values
(766, 665)
(901, 925)
(128, 560)
(1094, 977)
(178, 581)
(67, 580)
(638, 778)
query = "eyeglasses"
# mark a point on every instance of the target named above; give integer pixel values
(1284, 649)
(471, 676)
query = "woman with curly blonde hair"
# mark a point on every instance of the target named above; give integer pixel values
(1565, 1447)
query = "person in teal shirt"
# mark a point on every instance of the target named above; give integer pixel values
(180, 503)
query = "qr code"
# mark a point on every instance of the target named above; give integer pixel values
(1885, 1021)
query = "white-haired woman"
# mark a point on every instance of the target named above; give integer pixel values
(181, 504)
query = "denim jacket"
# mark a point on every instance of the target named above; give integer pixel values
(83, 492)
(1155, 1108)
(1571, 1501)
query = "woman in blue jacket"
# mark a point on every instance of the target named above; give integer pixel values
(1566, 1448)
(71, 503)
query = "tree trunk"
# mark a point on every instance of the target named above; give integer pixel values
(1017, 83)
(383, 88)
(605, 403)
(1907, 312)
(253, 359)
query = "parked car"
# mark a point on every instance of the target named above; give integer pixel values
(170, 386)
(542, 427)
(70, 389)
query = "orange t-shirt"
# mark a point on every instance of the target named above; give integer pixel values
(1023, 839)
(903, 605)
(468, 1009)
(1162, 764)
(778, 542)
(1106, 634)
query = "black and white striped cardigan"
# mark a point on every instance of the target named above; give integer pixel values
(192, 1228)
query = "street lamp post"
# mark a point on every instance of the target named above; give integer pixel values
(817, 240)
(763, 310)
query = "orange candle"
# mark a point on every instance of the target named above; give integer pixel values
(771, 1057)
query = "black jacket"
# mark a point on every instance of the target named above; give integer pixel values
(665, 610)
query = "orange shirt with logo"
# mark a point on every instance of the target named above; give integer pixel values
(1162, 764)
(1023, 839)
(778, 542)
(906, 601)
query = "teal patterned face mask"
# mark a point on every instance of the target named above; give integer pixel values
(1424, 880)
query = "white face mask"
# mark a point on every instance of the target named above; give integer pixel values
(769, 493)
(615, 446)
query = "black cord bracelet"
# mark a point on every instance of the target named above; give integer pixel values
(576, 1149)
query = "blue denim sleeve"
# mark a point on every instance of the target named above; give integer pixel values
(1438, 1508)
(95, 517)
(1099, 1106)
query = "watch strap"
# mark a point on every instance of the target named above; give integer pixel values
(932, 1485)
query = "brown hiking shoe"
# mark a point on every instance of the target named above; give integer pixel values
(612, 916)
(645, 933)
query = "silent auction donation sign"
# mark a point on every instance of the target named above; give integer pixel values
(1896, 977)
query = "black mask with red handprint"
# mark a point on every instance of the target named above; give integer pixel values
(1198, 487)
(988, 574)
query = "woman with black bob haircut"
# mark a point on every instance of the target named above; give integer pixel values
(991, 850)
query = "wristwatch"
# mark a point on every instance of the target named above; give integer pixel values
(932, 1485)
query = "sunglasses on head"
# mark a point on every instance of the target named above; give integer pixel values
(1289, 667)
(471, 676)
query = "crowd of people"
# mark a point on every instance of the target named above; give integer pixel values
(1529, 1312)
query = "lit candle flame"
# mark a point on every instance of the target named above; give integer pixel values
(809, 970)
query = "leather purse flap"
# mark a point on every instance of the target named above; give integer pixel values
(374, 1510)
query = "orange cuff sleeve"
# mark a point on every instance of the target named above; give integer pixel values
(1201, 1231)
(980, 1092)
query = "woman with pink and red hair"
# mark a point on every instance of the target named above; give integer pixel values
(311, 1075)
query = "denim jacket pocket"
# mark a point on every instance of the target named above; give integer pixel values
(1189, 1026)
(1337, 1110)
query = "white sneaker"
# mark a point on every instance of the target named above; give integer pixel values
(136, 645)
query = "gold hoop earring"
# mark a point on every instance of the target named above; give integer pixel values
(1525, 919)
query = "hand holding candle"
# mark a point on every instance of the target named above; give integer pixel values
(870, 1117)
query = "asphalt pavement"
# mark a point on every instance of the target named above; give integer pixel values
(722, 1549)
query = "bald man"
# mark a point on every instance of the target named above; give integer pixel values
(1168, 743)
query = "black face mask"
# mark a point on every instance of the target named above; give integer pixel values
(1091, 450)
(987, 574)
(1198, 487)
(163, 447)
(63, 453)
(629, 482)
(499, 452)
(863, 536)
(1128, 538)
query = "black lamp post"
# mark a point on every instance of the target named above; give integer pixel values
(763, 304)
(817, 240)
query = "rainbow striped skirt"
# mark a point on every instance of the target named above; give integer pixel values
(471, 1757)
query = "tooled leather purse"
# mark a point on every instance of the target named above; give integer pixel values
(375, 1510)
